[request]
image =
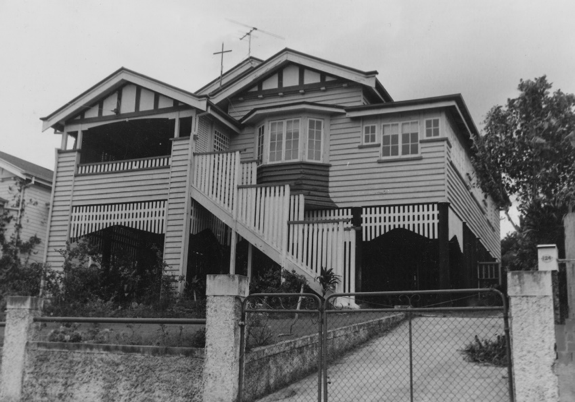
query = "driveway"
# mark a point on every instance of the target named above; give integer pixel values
(379, 370)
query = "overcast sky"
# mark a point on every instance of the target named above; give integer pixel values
(51, 51)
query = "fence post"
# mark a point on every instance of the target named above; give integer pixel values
(20, 313)
(222, 353)
(532, 336)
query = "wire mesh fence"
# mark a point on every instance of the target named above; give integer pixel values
(436, 351)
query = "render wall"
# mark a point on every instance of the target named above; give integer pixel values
(90, 373)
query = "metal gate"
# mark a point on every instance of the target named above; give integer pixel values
(446, 345)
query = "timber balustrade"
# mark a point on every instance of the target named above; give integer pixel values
(120, 166)
(308, 240)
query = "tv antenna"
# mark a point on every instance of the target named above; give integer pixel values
(251, 31)
(222, 62)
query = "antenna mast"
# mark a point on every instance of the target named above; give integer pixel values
(222, 62)
(250, 32)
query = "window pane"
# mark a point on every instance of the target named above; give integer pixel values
(260, 152)
(276, 141)
(292, 140)
(390, 140)
(369, 134)
(314, 135)
(409, 138)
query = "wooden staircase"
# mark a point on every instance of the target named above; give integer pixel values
(273, 220)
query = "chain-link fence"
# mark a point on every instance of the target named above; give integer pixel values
(441, 351)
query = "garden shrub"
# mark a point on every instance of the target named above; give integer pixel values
(488, 351)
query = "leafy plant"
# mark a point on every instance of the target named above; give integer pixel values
(488, 351)
(259, 332)
(328, 280)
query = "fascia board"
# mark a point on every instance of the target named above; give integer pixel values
(399, 109)
(222, 120)
(16, 171)
(116, 81)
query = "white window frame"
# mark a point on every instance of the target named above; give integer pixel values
(363, 134)
(322, 140)
(400, 144)
(260, 144)
(432, 128)
(284, 129)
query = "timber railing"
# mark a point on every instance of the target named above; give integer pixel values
(129, 164)
(274, 215)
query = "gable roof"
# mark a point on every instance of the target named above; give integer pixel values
(244, 66)
(285, 56)
(113, 82)
(25, 169)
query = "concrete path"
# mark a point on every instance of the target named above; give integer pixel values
(379, 370)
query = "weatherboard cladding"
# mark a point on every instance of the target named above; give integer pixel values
(357, 178)
(34, 218)
(349, 96)
(176, 206)
(60, 208)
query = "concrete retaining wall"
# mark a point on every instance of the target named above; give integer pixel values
(273, 367)
(83, 372)
(565, 364)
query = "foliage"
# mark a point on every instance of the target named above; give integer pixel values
(488, 351)
(259, 333)
(528, 155)
(328, 280)
(134, 335)
(278, 281)
(527, 150)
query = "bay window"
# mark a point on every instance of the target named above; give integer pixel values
(290, 140)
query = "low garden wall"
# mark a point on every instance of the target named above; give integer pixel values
(270, 368)
(89, 372)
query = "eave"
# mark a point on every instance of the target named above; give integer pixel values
(224, 118)
(109, 84)
(452, 102)
(258, 114)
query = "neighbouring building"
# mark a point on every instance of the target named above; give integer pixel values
(303, 160)
(25, 190)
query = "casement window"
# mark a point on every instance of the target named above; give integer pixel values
(369, 134)
(284, 140)
(221, 141)
(291, 140)
(431, 128)
(400, 139)
(260, 147)
(314, 140)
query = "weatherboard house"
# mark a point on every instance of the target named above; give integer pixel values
(25, 201)
(294, 160)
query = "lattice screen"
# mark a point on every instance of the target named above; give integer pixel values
(421, 219)
(148, 216)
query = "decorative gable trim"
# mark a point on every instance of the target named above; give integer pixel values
(103, 90)
(251, 79)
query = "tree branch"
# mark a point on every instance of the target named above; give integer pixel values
(511, 220)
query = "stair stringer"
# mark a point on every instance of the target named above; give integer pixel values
(255, 239)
